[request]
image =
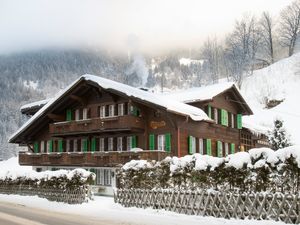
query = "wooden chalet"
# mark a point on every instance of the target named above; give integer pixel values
(99, 124)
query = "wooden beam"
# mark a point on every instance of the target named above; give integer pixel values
(55, 117)
(81, 100)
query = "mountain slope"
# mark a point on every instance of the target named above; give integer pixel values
(281, 82)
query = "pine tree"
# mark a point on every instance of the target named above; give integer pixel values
(279, 137)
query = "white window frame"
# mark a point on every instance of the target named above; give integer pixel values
(201, 147)
(102, 111)
(67, 145)
(85, 114)
(111, 110)
(129, 143)
(101, 144)
(221, 150)
(193, 145)
(107, 177)
(48, 146)
(42, 146)
(216, 115)
(121, 109)
(110, 146)
(161, 142)
(232, 120)
(120, 144)
(82, 144)
(226, 149)
(77, 114)
(75, 145)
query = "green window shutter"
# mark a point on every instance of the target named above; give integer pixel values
(168, 142)
(69, 114)
(151, 142)
(51, 146)
(219, 149)
(190, 142)
(224, 117)
(36, 147)
(60, 146)
(93, 145)
(85, 145)
(209, 111)
(208, 146)
(239, 121)
(232, 148)
(133, 142)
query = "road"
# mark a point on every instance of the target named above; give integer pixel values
(16, 214)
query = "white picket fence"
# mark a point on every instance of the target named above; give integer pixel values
(259, 206)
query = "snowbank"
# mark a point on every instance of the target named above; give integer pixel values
(280, 81)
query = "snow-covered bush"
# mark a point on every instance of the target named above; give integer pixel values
(60, 179)
(260, 169)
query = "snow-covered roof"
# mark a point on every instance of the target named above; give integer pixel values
(163, 101)
(254, 127)
(34, 104)
(201, 93)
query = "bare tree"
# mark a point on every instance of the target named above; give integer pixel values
(289, 26)
(241, 48)
(267, 33)
(212, 52)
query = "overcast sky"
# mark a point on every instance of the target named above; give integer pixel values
(150, 25)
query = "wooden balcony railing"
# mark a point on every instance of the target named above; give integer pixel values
(88, 159)
(127, 122)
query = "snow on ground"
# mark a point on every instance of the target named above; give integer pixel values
(280, 81)
(12, 164)
(105, 208)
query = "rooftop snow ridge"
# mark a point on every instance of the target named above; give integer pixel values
(201, 93)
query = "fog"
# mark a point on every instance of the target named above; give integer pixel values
(158, 25)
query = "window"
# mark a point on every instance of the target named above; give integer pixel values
(121, 109)
(111, 110)
(101, 145)
(129, 143)
(103, 177)
(49, 146)
(161, 142)
(208, 146)
(42, 146)
(110, 144)
(120, 143)
(192, 145)
(219, 149)
(226, 149)
(75, 145)
(224, 117)
(201, 151)
(85, 113)
(232, 120)
(102, 111)
(77, 114)
(216, 116)
(68, 145)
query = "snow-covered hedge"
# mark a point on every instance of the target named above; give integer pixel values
(260, 169)
(60, 179)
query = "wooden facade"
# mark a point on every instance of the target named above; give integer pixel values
(91, 126)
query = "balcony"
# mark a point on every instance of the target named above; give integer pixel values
(97, 125)
(89, 159)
